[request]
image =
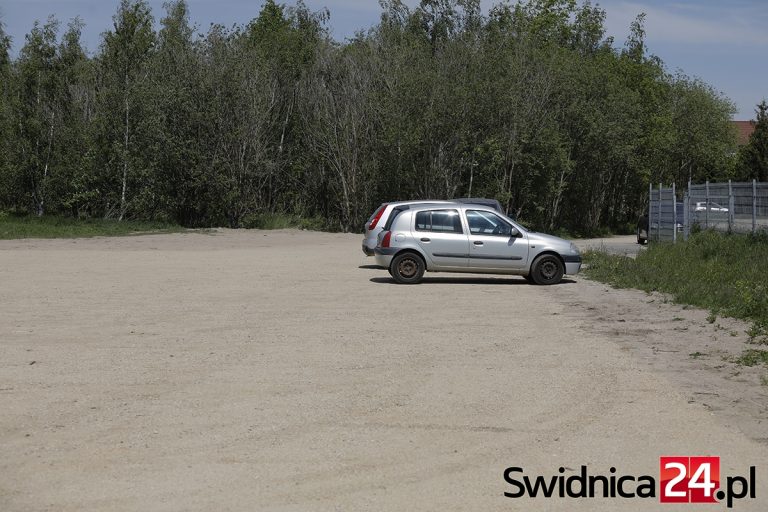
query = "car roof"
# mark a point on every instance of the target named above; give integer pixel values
(427, 205)
(480, 201)
(453, 205)
(418, 201)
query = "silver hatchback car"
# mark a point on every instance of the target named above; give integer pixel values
(472, 239)
(377, 220)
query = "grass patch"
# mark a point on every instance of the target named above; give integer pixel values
(13, 226)
(752, 357)
(17, 227)
(720, 272)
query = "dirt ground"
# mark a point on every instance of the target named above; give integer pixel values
(278, 371)
(625, 245)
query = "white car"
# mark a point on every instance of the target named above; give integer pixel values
(713, 207)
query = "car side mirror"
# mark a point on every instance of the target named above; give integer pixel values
(514, 232)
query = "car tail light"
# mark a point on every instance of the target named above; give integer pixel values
(385, 239)
(377, 216)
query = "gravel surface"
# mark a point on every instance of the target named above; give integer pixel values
(625, 245)
(278, 370)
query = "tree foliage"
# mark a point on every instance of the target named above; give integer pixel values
(754, 156)
(530, 103)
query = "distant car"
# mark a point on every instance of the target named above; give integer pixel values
(680, 207)
(713, 207)
(378, 218)
(472, 239)
(642, 230)
(643, 226)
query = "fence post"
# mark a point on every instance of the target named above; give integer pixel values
(686, 214)
(706, 209)
(731, 204)
(674, 214)
(754, 206)
(650, 210)
(687, 203)
(658, 224)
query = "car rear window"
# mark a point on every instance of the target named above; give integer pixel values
(397, 210)
(376, 212)
(439, 221)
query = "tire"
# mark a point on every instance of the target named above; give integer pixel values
(407, 268)
(547, 269)
(529, 278)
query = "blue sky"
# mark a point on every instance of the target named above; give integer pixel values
(725, 42)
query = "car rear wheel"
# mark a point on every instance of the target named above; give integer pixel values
(407, 268)
(547, 269)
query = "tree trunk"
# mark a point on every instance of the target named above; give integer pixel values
(125, 159)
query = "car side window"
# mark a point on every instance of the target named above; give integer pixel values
(487, 223)
(439, 221)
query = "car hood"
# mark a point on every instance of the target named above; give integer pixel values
(549, 241)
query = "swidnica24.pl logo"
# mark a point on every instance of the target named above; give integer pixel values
(681, 480)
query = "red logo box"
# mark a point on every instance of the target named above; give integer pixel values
(689, 479)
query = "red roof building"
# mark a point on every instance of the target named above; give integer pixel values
(743, 130)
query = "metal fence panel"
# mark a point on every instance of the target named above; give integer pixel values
(726, 207)
(662, 215)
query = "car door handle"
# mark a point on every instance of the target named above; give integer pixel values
(478, 243)
(426, 240)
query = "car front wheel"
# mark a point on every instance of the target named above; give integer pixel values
(407, 268)
(547, 269)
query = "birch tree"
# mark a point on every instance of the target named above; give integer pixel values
(341, 127)
(125, 54)
(36, 128)
(6, 133)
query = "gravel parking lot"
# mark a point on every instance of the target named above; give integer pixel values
(278, 370)
(625, 245)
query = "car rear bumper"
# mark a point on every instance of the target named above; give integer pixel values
(384, 255)
(369, 242)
